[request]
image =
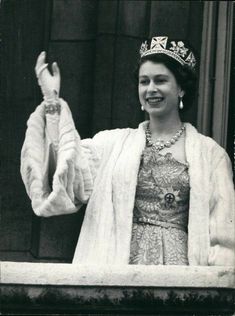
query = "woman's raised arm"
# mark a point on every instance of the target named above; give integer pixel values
(57, 171)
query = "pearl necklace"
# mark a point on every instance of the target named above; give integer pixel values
(160, 144)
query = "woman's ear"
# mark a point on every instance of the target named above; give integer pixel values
(181, 93)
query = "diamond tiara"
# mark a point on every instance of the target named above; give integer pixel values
(171, 48)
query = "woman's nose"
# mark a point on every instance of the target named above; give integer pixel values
(152, 87)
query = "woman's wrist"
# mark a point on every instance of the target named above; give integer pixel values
(52, 105)
(52, 127)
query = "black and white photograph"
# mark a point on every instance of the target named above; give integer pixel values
(117, 157)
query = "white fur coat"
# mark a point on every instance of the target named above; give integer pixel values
(102, 172)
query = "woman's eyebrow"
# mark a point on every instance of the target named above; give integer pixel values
(158, 75)
(161, 75)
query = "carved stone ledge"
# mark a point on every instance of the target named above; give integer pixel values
(159, 290)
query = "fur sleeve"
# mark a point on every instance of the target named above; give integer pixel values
(73, 176)
(222, 214)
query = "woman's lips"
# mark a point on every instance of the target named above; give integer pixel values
(154, 100)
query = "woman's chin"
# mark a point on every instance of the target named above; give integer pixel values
(156, 111)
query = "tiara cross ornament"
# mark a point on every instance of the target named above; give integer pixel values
(174, 49)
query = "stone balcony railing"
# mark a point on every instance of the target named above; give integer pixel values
(46, 288)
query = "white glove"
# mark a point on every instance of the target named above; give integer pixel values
(50, 84)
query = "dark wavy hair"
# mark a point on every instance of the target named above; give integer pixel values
(184, 75)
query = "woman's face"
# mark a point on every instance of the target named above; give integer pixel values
(159, 91)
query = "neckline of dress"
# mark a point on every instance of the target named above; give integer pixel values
(169, 154)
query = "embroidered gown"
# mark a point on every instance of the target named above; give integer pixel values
(160, 218)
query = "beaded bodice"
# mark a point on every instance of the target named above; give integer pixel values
(162, 192)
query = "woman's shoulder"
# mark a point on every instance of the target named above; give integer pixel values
(207, 144)
(108, 137)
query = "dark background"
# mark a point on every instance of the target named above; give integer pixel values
(96, 45)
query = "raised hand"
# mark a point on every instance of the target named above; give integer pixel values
(50, 84)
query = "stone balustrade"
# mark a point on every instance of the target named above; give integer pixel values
(129, 289)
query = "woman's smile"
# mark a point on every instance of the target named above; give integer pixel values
(154, 101)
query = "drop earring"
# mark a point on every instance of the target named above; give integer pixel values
(142, 108)
(181, 105)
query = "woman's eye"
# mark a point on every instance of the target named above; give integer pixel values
(143, 81)
(160, 80)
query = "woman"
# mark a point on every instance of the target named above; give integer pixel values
(159, 194)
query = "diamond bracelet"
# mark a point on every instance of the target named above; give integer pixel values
(52, 107)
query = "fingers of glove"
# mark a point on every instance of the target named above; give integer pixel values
(40, 70)
(40, 61)
(55, 70)
(56, 76)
